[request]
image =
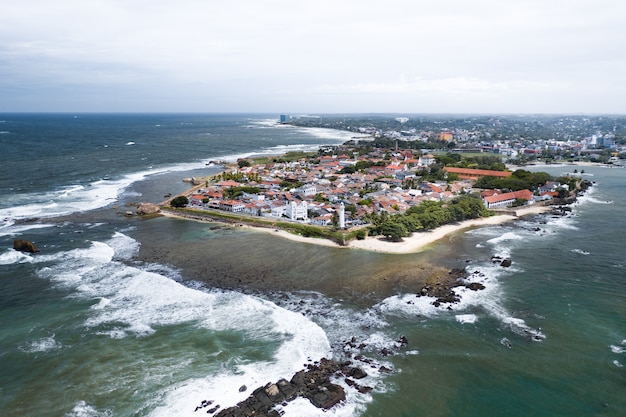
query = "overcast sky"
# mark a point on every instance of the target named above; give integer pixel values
(318, 56)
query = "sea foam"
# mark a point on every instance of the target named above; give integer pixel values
(132, 302)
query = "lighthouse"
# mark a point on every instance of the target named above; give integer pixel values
(342, 216)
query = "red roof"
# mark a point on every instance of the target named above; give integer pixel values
(228, 183)
(475, 173)
(522, 194)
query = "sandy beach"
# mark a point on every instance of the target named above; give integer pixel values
(414, 243)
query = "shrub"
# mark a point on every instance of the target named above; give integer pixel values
(180, 201)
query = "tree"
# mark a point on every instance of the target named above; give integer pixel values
(393, 231)
(180, 201)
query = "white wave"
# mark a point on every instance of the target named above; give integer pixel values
(617, 349)
(580, 251)
(45, 344)
(274, 150)
(130, 143)
(82, 409)
(618, 364)
(67, 200)
(487, 299)
(466, 318)
(123, 246)
(132, 302)
(12, 256)
(594, 200)
(505, 237)
(263, 123)
(562, 222)
(11, 229)
(409, 305)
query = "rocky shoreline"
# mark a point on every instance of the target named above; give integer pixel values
(318, 382)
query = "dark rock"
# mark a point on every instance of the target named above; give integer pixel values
(243, 388)
(25, 246)
(475, 286)
(327, 396)
(357, 373)
(313, 384)
(506, 263)
(289, 391)
(364, 389)
(385, 352)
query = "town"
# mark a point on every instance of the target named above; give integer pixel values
(385, 184)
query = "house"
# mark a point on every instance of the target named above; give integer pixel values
(507, 199)
(323, 220)
(426, 160)
(228, 183)
(278, 211)
(234, 206)
(196, 200)
(404, 175)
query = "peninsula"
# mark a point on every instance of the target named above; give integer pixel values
(370, 198)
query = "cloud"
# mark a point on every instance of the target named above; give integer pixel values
(261, 54)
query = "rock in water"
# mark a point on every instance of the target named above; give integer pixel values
(147, 208)
(506, 263)
(25, 246)
(313, 384)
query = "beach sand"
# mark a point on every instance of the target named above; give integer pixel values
(417, 241)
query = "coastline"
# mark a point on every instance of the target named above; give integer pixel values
(417, 242)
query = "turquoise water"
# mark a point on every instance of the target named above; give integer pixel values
(87, 329)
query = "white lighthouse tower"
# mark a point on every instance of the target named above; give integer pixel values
(342, 216)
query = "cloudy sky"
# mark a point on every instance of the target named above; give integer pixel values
(322, 56)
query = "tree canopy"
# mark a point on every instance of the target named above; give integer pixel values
(427, 216)
(180, 201)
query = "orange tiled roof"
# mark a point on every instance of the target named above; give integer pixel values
(475, 173)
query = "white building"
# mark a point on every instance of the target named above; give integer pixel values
(297, 211)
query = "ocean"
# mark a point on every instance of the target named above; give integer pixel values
(88, 327)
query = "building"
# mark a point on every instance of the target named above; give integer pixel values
(234, 206)
(297, 210)
(496, 200)
(474, 174)
(342, 216)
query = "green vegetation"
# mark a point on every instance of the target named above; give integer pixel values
(234, 192)
(180, 201)
(288, 157)
(489, 162)
(427, 216)
(519, 180)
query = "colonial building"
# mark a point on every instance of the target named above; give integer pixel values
(297, 210)
(496, 200)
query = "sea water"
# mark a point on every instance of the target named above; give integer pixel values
(86, 329)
